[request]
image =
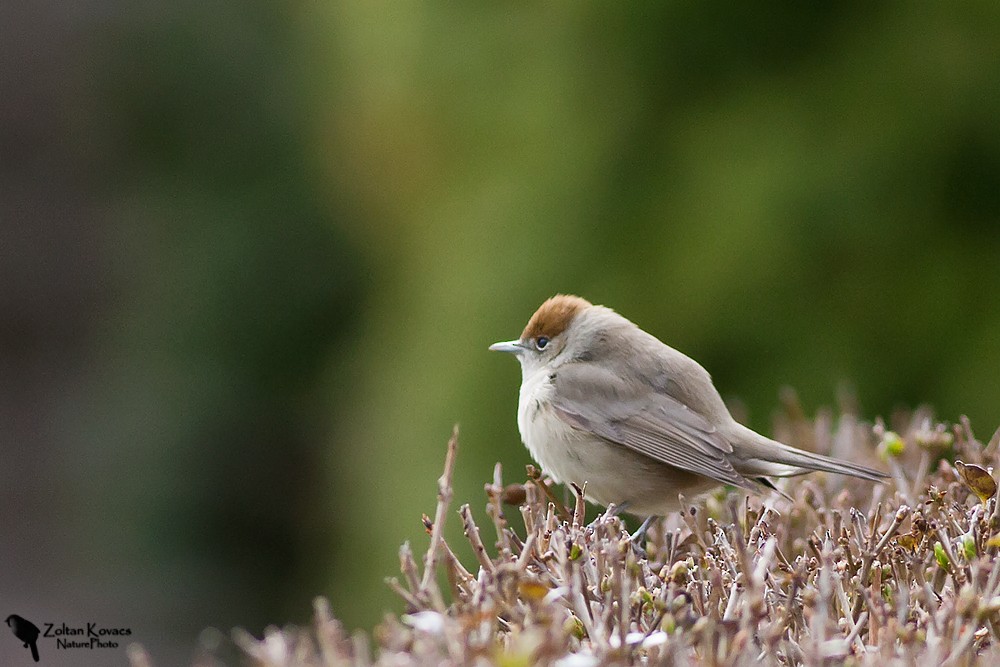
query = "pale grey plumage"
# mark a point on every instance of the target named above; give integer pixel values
(630, 412)
(606, 403)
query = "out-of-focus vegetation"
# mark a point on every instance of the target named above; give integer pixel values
(253, 254)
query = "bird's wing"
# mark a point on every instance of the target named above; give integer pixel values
(636, 415)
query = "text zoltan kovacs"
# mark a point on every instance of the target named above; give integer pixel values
(91, 635)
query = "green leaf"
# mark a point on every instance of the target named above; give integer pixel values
(941, 556)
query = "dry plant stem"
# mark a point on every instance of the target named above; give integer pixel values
(815, 584)
(472, 532)
(845, 604)
(323, 623)
(547, 490)
(397, 588)
(923, 468)
(444, 499)
(408, 567)
(495, 509)
(946, 545)
(522, 560)
(456, 565)
(899, 476)
(854, 635)
(580, 506)
(362, 654)
(869, 555)
(995, 518)
(901, 513)
(960, 648)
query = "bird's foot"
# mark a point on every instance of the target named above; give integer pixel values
(638, 538)
(611, 512)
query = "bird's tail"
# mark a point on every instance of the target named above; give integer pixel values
(34, 651)
(763, 456)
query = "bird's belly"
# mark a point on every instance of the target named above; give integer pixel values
(566, 454)
(612, 473)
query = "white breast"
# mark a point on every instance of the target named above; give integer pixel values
(565, 453)
(547, 437)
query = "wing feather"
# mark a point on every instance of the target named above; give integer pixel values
(641, 418)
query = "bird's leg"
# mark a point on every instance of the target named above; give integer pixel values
(615, 510)
(639, 536)
(610, 512)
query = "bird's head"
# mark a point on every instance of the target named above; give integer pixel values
(554, 332)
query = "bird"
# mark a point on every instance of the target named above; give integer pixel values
(26, 631)
(634, 422)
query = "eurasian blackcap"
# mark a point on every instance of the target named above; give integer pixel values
(604, 403)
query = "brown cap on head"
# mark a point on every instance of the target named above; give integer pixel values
(553, 316)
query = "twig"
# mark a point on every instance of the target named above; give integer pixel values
(580, 506)
(444, 499)
(398, 589)
(472, 532)
(547, 490)
(869, 555)
(408, 566)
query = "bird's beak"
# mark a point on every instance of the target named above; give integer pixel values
(512, 346)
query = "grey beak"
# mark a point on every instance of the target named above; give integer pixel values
(512, 346)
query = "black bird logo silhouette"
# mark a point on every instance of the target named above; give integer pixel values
(26, 631)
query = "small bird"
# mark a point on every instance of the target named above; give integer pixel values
(26, 631)
(604, 403)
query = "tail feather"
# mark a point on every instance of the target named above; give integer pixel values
(807, 461)
(763, 456)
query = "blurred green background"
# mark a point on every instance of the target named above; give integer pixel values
(253, 254)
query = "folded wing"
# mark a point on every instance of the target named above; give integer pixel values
(635, 415)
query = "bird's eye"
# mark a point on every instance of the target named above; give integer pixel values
(541, 342)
